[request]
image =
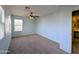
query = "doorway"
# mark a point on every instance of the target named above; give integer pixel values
(75, 32)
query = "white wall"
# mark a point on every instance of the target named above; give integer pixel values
(57, 26)
(5, 42)
(29, 26)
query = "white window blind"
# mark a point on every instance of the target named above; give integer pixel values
(18, 25)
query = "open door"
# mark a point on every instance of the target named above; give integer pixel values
(75, 31)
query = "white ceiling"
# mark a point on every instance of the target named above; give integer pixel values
(40, 10)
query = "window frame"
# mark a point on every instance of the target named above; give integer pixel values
(2, 22)
(18, 25)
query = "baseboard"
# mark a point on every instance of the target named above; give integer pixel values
(48, 38)
(24, 35)
(36, 34)
(53, 41)
(3, 52)
(43, 37)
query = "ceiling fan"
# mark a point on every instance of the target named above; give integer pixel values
(32, 15)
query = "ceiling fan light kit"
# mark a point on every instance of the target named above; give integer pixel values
(31, 14)
(31, 18)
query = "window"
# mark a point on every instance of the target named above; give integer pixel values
(18, 25)
(1, 23)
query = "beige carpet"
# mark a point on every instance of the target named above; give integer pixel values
(34, 44)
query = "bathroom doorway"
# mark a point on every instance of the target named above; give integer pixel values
(75, 32)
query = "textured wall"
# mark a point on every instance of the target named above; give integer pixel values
(57, 26)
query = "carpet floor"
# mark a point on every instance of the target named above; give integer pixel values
(34, 44)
